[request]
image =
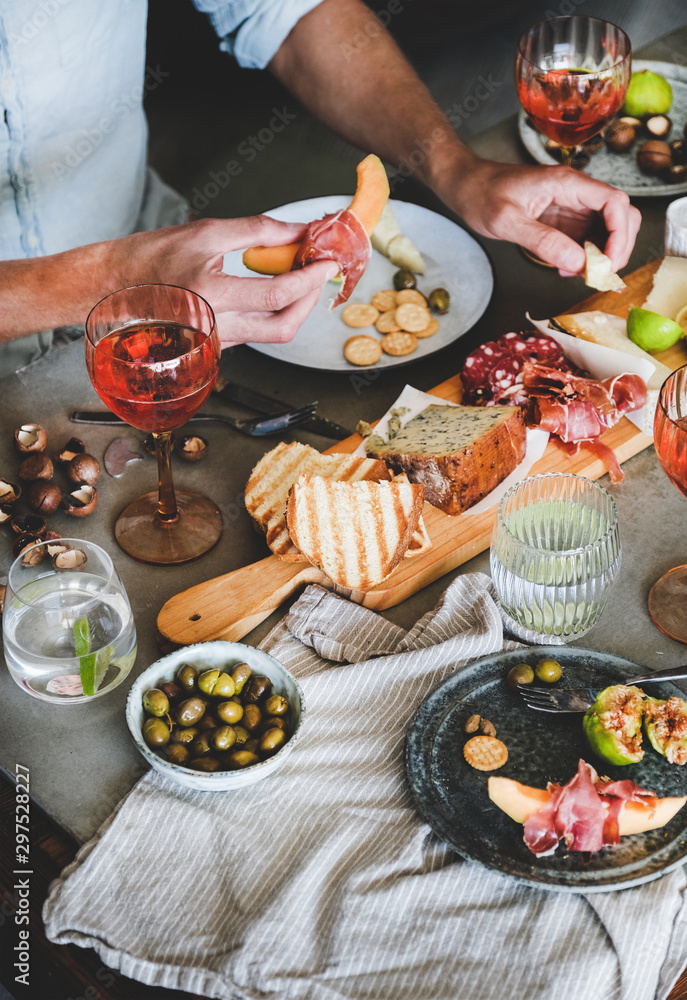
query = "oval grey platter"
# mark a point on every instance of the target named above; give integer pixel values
(452, 797)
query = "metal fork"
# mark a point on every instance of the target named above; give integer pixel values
(580, 699)
(253, 427)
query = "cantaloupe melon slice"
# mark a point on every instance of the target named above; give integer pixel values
(520, 801)
(372, 194)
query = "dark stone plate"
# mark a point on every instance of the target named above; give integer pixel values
(452, 797)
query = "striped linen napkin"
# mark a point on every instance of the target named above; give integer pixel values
(322, 882)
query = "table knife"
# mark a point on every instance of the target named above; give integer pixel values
(265, 404)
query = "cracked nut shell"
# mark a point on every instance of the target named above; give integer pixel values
(66, 453)
(9, 492)
(68, 558)
(83, 468)
(81, 501)
(29, 524)
(44, 497)
(36, 467)
(191, 448)
(30, 437)
(24, 542)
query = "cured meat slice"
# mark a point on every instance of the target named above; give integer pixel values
(503, 375)
(340, 237)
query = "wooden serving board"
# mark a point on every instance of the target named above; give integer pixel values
(229, 606)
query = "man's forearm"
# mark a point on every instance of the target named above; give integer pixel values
(347, 70)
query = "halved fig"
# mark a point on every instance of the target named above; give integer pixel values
(613, 725)
(30, 437)
(70, 559)
(665, 725)
(81, 501)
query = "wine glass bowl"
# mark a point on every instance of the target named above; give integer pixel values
(152, 354)
(668, 596)
(572, 74)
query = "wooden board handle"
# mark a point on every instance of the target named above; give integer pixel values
(229, 606)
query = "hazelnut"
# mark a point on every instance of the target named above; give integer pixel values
(580, 158)
(676, 173)
(9, 492)
(191, 448)
(657, 126)
(81, 501)
(630, 120)
(487, 728)
(678, 150)
(66, 453)
(595, 144)
(37, 466)
(83, 468)
(620, 137)
(30, 437)
(29, 524)
(44, 497)
(653, 157)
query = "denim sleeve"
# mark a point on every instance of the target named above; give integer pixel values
(253, 30)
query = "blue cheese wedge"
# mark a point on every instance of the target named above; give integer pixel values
(458, 453)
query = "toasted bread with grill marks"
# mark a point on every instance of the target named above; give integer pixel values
(276, 472)
(355, 532)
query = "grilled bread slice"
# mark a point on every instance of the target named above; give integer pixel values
(356, 532)
(276, 472)
(458, 453)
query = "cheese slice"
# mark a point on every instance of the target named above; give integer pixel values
(390, 241)
(598, 272)
(669, 292)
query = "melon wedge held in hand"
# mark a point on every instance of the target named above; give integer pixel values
(343, 236)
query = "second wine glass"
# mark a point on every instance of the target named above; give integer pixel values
(152, 353)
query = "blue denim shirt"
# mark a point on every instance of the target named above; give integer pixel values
(73, 135)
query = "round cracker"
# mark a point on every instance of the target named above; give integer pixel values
(411, 317)
(362, 350)
(430, 329)
(387, 322)
(411, 295)
(485, 753)
(359, 314)
(384, 300)
(399, 343)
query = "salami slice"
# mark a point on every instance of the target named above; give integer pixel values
(477, 365)
(513, 342)
(503, 375)
(544, 349)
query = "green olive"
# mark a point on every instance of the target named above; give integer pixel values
(184, 735)
(229, 712)
(521, 673)
(224, 686)
(258, 688)
(242, 758)
(252, 717)
(176, 753)
(240, 675)
(242, 735)
(272, 740)
(223, 738)
(186, 677)
(156, 702)
(439, 300)
(207, 722)
(189, 712)
(204, 764)
(276, 704)
(404, 279)
(252, 745)
(548, 670)
(202, 744)
(272, 722)
(207, 681)
(172, 690)
(155, 733)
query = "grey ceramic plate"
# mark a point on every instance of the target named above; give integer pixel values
(452, 797)
(622, 171)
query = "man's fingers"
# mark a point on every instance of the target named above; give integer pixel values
(266, 327)
(551, 245)
(223, 235)
(269, 294)
(622, 232)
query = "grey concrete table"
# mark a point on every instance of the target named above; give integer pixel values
(80, 757)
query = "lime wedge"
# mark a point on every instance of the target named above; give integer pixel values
(92, 666)
(651, 331)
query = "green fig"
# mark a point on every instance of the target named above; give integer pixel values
(665, 724)
(613, 725)
(648, 94)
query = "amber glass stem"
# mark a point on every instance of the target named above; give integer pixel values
(567, 155)
(166, 505)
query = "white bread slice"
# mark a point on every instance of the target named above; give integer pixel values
(611, 331)
(420, 542)
(276, 472)
(356, 532)
(458, 453)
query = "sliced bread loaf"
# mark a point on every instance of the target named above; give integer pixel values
(276, 472)
(355, 532)
(458, 453)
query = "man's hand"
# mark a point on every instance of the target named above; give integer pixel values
(547, 210)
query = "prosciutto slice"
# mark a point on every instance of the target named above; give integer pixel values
(340, 237)
(583, 812)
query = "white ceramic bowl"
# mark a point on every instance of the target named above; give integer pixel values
(206, 656)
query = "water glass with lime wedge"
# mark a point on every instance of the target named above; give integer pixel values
(68, 630)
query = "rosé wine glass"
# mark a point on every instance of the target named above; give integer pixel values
(152, 354)
(572, 74)
(668, 596)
